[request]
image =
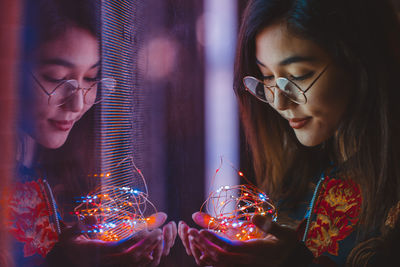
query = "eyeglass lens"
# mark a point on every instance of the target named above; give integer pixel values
(266, 92)
(92, 95)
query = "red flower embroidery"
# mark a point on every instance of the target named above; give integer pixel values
(337, 211)
(29, 219)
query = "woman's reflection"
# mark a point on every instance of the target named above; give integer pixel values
(62, 82)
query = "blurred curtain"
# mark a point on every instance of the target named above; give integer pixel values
(10, 13)
(171, 64)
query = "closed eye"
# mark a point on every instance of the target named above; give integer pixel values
(302, 77)
(52, 80)
(87, 79)
(268, 78)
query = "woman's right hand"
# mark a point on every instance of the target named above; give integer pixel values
(143, 248)
(275, 249)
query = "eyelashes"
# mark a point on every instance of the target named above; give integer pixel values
(55, 80)
(302, 77)
(50, 79)
(290, 77)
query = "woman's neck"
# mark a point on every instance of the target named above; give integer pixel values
(27, 150)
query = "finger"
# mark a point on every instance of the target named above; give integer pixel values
(216, 256)
(220, 241)
(123, 244)
(262, 222)
(71, 232)
(219, 255)
(205, 245)
(266, 224)
(146, 245)
(237, 246)
(174, 232)
(156, 220)
(168, 236)
(90, 220)
(157, 253)
(204, 220)
(140, 253)
(183, 234)
(197, 254)
(216, 253)
(206, 260)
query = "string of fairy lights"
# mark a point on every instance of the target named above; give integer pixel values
(234, 207)
(118, 211)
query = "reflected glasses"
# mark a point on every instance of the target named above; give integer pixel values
(65, 90)
(265, 91)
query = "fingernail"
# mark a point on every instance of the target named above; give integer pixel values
(195, 215)
(188, 252)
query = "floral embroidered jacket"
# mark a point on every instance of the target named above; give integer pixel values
(33, 220)
(331, 232)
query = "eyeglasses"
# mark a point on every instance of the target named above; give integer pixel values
(266, 92)
(65, 90)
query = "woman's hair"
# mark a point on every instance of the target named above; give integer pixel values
(45, 20)
(68, 166)
(362, 36)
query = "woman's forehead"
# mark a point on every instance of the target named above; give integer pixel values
(75, 48)
(276, 46)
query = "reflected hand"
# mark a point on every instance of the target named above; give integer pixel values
(169, 232)
(143, 248)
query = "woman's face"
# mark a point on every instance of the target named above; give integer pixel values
(72, 55)
(281, 54)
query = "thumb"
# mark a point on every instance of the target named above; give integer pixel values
(156, 220)
(71, 232)
(204, 220)
(266, 224)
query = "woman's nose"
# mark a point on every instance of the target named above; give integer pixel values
(75, 102)
(281, 101)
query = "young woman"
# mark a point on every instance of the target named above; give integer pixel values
(316, 85)
(61, 84)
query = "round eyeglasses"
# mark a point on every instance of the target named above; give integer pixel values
(265, 91)
(64, 91)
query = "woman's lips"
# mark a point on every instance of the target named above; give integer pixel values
(297, 123)
(62, 125)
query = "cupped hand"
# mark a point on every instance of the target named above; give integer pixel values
(210, 249)
(169, 232)
(144, 248)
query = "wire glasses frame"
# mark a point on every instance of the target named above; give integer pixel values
(290, 89)
(66, 89)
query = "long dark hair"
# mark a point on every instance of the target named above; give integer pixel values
(362, 36)
(67, 167)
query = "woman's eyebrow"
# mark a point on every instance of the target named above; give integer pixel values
(57, 61)
(295, 59)
(259, 63)
(95, 65)
(63, 62)
(290, 60)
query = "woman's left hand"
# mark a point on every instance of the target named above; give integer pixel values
(209, 248)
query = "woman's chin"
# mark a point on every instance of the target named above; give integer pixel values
(309, 140)
(53, 143)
